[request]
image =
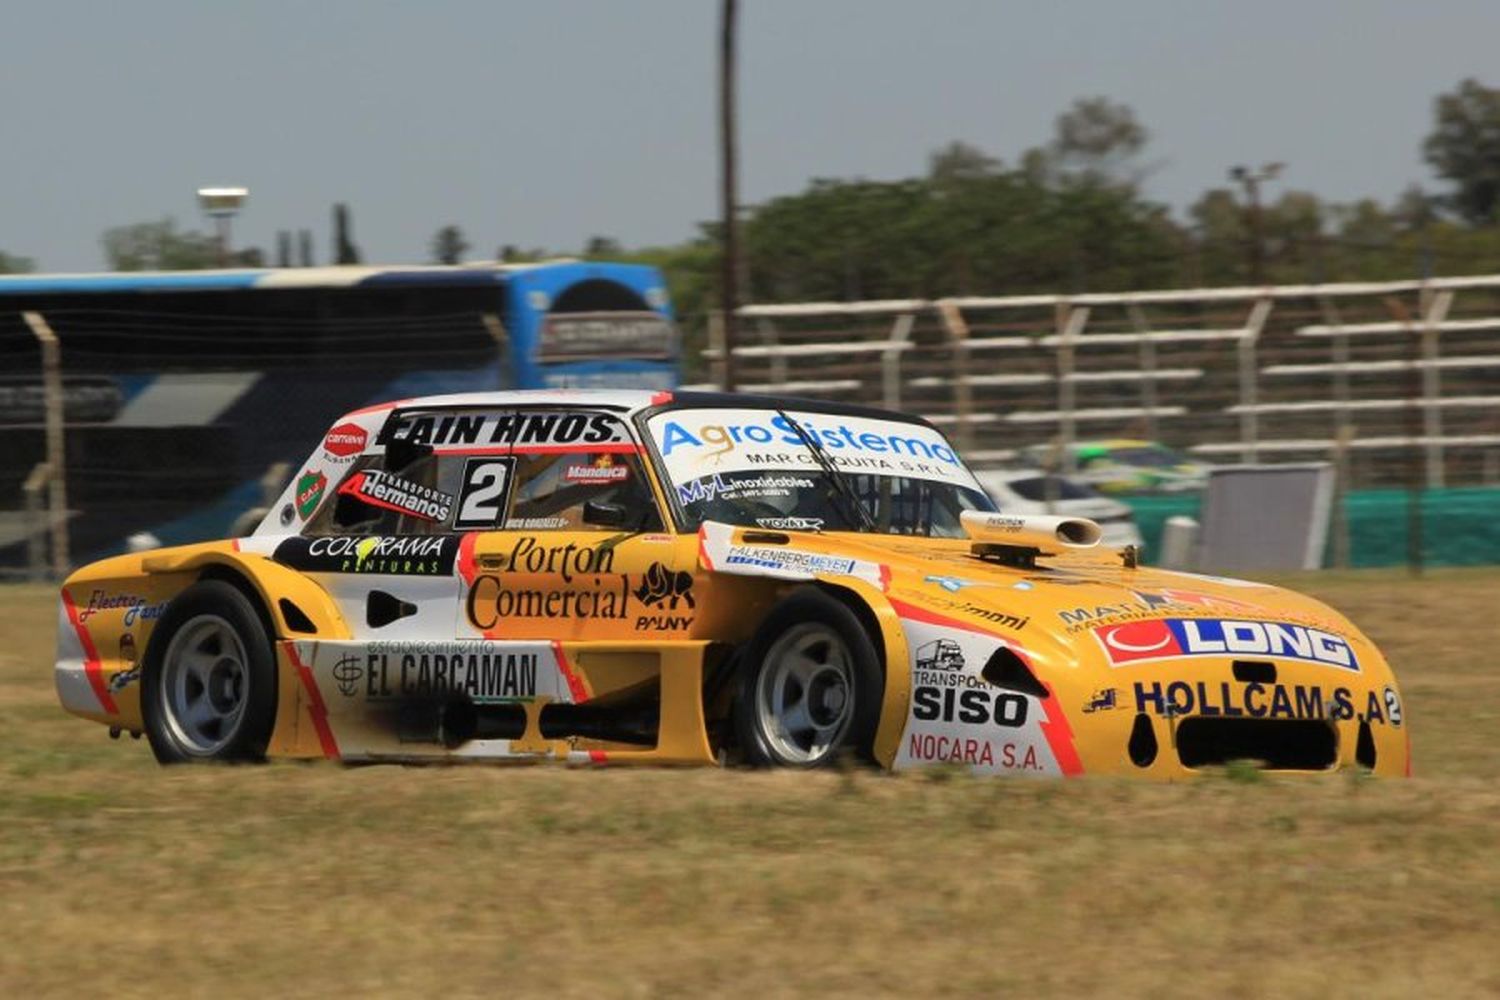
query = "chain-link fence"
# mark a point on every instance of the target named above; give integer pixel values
(179, 424)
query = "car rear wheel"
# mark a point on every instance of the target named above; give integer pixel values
(811, 686)
(209, 680)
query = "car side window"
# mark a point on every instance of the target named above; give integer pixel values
(370, 499)
(582, 490)
(526, 470)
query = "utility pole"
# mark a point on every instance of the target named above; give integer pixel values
(729, 273)
(1251, 181)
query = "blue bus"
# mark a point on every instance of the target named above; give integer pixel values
(183, 390)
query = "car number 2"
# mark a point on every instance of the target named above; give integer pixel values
(485, 494)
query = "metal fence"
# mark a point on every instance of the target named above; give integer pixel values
(115, 423)
(1392, 380)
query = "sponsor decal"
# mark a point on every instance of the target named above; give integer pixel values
(536, 523)
(480, 671)
(693, 442)
(420, 555)
(940, 654)
(489, 602)
(601, 472)
(124, 679)
(939, 748)
(716, 440)
(661, 587)
(951, 584)
(1392, 706)
(310, 486)
(347, 673)
(586, 573)
(391, 492)
(1002, 522)
(132, 672)
(1144, 603)
(1232, 700)
(518, 430)
(485, 496)
(993, 616)
(1103, 700)
(135, 607)
(534, 555)
(791, 523)
(345, 441)
(711, 487)
(1171, 638)
(787, 559)
(976, 706)
(664, 590)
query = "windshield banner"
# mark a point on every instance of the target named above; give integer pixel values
(697, 443)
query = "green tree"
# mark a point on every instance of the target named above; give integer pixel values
(958, 162)
(12, 264)
(1464, 149)
(344, 250)
(1098, 142)
(448, 245)
(158, 246)
(603, 248)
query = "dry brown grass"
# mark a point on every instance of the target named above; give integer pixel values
(118, 877)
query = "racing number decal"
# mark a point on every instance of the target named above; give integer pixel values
(485, 494)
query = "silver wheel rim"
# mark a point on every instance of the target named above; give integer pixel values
(205, 684)
(804, 697)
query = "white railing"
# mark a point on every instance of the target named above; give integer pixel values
(1194, 362)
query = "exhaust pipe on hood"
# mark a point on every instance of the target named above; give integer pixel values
(1042, 534)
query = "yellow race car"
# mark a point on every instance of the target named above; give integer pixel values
(690, 578)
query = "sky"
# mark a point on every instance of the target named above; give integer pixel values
(541, 124)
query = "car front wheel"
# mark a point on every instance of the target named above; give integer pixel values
(811, 686)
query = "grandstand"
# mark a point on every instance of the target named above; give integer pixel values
(1391, 379)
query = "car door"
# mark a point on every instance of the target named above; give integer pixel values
(581, 552)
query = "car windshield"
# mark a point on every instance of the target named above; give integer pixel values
(1147, 458)
(751, 467)
(1041, 488)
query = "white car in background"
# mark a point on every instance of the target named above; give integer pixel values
(1031, 491)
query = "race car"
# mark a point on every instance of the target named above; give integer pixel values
(1130, 466)
(696, 578)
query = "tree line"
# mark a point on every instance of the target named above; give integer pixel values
(1067, 215)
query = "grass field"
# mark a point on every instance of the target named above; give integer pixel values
(120, 878)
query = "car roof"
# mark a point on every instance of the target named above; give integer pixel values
(634, 401)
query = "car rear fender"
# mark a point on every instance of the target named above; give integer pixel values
(296, 606)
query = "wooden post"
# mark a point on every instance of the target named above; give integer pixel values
(963, 392)
(1071, 320)
(1249, 375)
(57, 492)
(1146, 351)
(718, 350)
(890, 361)
(1432, 386)
(730, 271)
(36, 522)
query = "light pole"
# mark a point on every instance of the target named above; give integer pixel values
(729, 273)
(221, 204)
(1251, 180)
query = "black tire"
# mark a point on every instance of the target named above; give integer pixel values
(208, 682)
(807, 626)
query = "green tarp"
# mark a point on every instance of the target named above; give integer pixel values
(1460, 527)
